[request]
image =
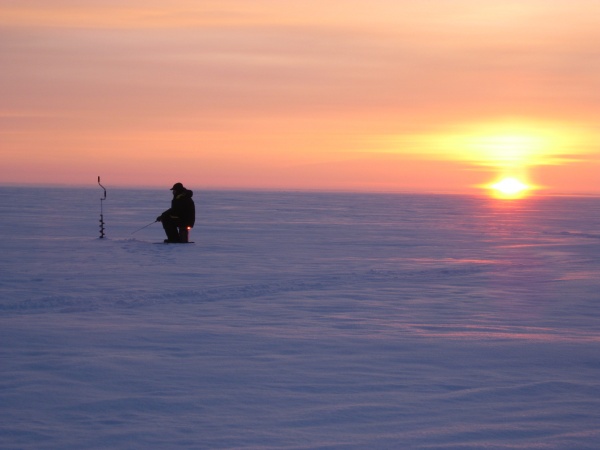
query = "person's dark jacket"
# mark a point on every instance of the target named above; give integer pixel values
(183, 210)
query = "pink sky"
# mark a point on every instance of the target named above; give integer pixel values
(389, 95)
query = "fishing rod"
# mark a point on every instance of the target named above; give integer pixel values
(101, 210)
(145, 226)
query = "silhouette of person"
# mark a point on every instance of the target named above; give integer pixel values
(180, 217)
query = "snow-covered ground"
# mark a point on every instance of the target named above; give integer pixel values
(299, 320)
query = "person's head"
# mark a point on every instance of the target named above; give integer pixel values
(177, 187)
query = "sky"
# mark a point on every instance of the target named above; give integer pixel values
(367, 95)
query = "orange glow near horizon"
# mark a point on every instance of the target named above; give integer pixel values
(406, 96)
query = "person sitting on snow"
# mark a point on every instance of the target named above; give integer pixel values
(180, 217)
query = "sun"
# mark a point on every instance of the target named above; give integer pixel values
(509, 188)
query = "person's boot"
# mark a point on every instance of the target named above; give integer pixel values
(183, 235)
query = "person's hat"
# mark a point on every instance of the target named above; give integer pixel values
(177, 187)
